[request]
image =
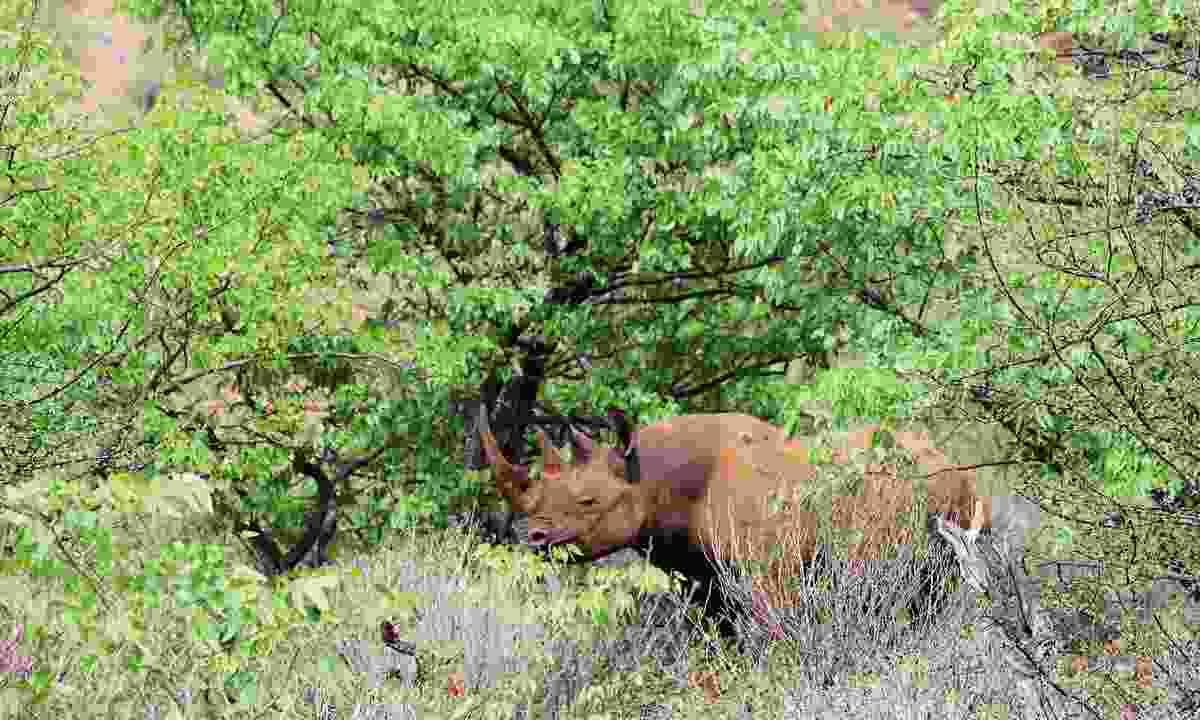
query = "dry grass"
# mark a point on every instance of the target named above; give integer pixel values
(850, 651)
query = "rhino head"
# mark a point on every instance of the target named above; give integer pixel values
(587, 502)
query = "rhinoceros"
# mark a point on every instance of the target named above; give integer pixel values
(703, 489)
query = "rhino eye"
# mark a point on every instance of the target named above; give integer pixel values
(587, 501)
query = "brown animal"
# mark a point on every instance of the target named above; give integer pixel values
(705, 482)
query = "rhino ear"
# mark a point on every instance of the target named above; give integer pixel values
(627, 438)
(512, 481)
(623, 427)
(552, 462)
(583, 447)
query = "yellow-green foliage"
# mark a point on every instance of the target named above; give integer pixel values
(603, 596)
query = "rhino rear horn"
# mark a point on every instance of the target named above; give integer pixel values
(627, 438)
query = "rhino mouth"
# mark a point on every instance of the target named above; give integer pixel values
(540, 537)
(542, 541)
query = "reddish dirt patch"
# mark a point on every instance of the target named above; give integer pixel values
(109, 66)
(108, 50)
(116, 58)
(898, 15)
